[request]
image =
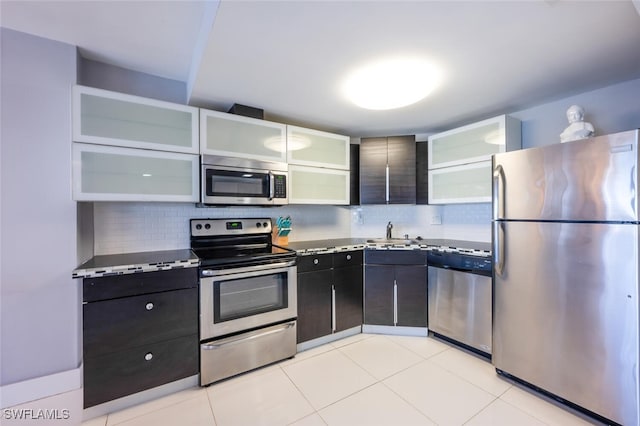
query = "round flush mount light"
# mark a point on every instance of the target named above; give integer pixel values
(391, 83)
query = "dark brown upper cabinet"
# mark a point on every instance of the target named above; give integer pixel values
(388, 170)
(422, 173)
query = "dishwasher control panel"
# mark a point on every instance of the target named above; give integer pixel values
(461, 261)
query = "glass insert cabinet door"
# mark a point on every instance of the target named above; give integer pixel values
(315, 185)
(310, 147)
(107, 173)
(475, 142)
(111, 118)
(245, 137)
(470, 183)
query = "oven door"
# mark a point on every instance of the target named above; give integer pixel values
(238, 299)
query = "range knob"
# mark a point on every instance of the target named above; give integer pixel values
(265, 224)
(258, 224)
(207, 226)
(198, 227)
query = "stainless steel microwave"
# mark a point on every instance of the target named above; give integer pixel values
(237, 181)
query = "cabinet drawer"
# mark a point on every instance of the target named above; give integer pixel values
(347, 258)
(143, 367)
(395, 257)
(113, 325)
(111, 287)
(314, 262)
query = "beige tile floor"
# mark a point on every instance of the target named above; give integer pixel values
(362, 380)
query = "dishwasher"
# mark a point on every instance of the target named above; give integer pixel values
(460, 297)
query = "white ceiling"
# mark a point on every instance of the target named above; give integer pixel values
(290, 57)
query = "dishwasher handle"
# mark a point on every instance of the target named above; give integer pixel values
(486, 273)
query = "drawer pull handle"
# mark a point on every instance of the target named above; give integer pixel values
(315, 261)
(148, 356)
(348, 257)
(231, 342)
(149, 306)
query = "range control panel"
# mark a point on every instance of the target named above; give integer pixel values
(217, 227)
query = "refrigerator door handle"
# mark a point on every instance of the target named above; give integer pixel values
(498, 192)
(498, 248)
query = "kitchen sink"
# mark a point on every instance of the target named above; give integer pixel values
(398, 241)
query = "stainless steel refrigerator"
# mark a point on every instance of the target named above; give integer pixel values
(565, 246)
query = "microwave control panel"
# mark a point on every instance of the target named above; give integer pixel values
(280, 186)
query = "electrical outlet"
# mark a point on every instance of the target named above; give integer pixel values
(436, 219)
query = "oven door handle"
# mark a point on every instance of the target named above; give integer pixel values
(210, 347)
(242, 269)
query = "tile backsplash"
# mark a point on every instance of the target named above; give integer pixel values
(136, 227)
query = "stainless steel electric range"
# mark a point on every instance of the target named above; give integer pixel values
(248, 296)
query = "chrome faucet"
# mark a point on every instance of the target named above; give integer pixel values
(389, 226)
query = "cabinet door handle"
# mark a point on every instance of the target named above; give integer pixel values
(348, 257)
(315, 261)
(387, 184)
(333, 308)
(148, 356)
(395, 302)
(149, 306)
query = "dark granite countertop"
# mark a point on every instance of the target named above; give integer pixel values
(321, 246)
(130, 263)
(334, 245)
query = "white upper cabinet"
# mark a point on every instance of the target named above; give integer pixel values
(460, 159)
(475, 142)
(318, 185)
(309, 147)
(111, 118)
(468, 183)
(110, 173)
(245, 137)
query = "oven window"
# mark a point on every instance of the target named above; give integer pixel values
(237, 183)
(244, 297)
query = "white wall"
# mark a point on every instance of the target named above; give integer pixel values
(40, 303)
(611, 109)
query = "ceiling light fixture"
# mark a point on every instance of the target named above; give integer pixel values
(391, 83)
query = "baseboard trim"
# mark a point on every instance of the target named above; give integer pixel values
(395, 330)
(328, 339)
(140, 397)
(40, 387)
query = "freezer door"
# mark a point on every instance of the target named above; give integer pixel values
(587, 180)
(566, 312)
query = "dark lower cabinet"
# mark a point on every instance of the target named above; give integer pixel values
(379, 306)
(412, 296)
(395, 285)
(128, 371)
(139, 331)
(329, 294)
(314, 304)
(348, 296)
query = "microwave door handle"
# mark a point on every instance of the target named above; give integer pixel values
(272, 189)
